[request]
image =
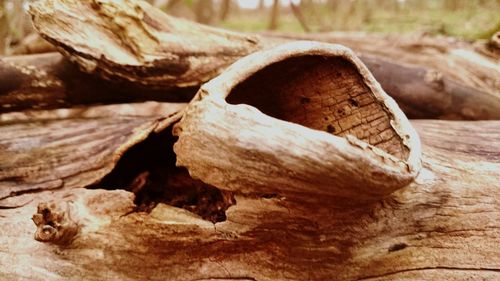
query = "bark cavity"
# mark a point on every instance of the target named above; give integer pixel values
(321, 93)
(148, 170)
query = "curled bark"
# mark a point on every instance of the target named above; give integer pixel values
(320, 108)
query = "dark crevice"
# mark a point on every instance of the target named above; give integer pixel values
(397, 247)
(148, 170)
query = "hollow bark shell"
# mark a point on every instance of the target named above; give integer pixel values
(298, 119)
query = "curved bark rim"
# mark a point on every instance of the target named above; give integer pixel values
(221, 86)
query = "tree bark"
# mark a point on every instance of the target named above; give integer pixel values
(275, 13)
(68, 148)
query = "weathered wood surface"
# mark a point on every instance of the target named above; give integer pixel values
(49, 81)
(445, 226)
(143, 218)
(68, 148)
(306, 120)
(132, 41)
(429, 77)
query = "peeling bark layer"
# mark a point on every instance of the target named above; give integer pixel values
(445, 226)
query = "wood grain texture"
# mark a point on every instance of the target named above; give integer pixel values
(445, 226)
(69, 148)
(132, 41)
(371, 151)
(49, 81)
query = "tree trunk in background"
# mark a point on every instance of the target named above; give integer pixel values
(297, 12)
(261, 6)
(275, 12)
(171, 4)
(204, 10)
(225, 9)
(20, 21)
(4, 28)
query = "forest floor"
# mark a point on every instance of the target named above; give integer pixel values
(470, 22)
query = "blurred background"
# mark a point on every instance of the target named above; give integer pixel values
(466, 19)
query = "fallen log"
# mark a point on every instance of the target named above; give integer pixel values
(164, 224)
(133, 41)
(49, 81)
(445, 226)
(69, 148)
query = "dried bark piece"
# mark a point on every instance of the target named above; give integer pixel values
(70, 148)
(325, 128)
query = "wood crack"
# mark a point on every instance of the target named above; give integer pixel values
(427, 268)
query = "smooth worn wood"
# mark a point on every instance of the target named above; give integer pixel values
(132, 41)
(306, 120)
(445, 226)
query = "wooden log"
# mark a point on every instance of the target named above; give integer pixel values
(70, 148)
(445, 226)
(133, 41)
(147, 47)
(415, 70)
(49, 81)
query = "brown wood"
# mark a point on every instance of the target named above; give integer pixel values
(133, 41)
(287, 120)
(68, 148)
(156, 50)
(48, 81)
(98, 184)
(445, 226)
